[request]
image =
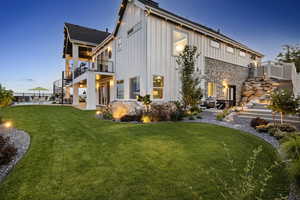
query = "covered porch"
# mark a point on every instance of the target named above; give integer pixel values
(98, 88)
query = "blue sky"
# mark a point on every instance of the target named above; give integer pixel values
(32, 31)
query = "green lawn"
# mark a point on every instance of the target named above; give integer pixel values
(77, 157)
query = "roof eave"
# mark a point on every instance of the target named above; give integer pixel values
(199, 29)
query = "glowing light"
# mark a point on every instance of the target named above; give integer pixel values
(146, 119)
(7, 124)
(111, 83)
(179, 48)
(155, 92)
(97, 85)
(119, 111)
(98, 112)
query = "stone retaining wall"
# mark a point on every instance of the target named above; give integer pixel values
(219, 72)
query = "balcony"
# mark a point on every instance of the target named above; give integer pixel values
(102, 66)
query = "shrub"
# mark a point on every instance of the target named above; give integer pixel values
(1, 121)
(199, 117)
(258, 122)
(291, 148)
(7, 151)
(131, 118)
(191, 118)
(177, 116)
(262, 128)
(294, 171)
(220, 116)
(287, 128)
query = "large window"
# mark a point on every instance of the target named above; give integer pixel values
(242, 53)
(134, 87)
(229, 49)
(211, 89)
(215, 44)
(158, 87)
(180, 40)
(120, 89)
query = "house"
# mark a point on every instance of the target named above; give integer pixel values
(139, 57)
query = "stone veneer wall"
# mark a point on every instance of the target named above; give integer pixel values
(217, 71)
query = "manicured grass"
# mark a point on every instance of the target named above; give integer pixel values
(77, 157)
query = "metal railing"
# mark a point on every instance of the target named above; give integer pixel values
(101, 66)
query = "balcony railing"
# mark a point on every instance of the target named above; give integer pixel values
(102, 66)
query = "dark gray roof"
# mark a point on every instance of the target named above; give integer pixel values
(85, 34)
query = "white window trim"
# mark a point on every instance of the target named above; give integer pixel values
(123, 90)
(243, 56)
(163, 88)
(172, 39)
(232, 52)
(211, 44)
(137, 77)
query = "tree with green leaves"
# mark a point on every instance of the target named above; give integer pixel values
(6, 97)
(290, 54)
(191, 92)
(284, 102)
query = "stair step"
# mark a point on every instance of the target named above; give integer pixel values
(270, 119)
(277, 117)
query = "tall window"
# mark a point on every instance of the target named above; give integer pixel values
(120, 89)
(180, 40)
(134, 88)
(211, 89)
(158, 87)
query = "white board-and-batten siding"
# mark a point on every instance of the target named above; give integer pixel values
(160, 59)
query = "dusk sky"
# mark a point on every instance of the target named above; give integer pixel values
(32, 30)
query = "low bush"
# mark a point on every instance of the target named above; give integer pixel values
(287, 128)
(258, 122)
(294, 171)
(7, 151)
(1, 120)
(131, 118)
(220, 116)
(291, 150)
(177, 116)
(191, 118)
(262, 128)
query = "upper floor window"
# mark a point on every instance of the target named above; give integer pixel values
(158, 87)
(119, 44)
(134, 88)
(215, 44)
(120, 89)
(242, 53)
(229, 49)
(180, 40)
(134, 29)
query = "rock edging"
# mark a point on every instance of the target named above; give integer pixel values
(21, 141)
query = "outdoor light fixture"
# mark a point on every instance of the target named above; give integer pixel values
(98, 112)
(8, 124)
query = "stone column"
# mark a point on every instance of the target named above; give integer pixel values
(91, 91)
(76, 94)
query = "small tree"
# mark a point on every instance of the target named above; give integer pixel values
(284, 102)
(290, 54)
(190, 88)
(6, 97)
(145, 100)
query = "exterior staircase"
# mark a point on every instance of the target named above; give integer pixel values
(261, 110)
